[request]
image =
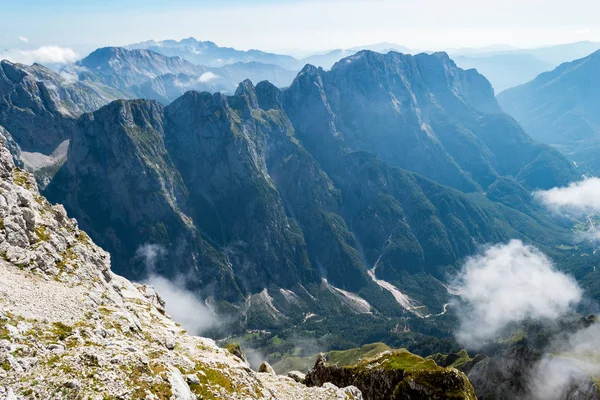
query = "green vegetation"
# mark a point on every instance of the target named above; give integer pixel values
(453, 360)
(83, 238)
(234, 349)
(353, 356)
(397, 374)
(67, 258)
(4, 334)
(143, 380)
(42, 233)
(61, 330)
(514, 337)
(211, 379)
(399, 360)
(21, 178)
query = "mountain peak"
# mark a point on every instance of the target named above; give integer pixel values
(247, 91)
(268, 95)
(244, 87)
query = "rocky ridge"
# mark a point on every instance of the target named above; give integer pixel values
(395, 374)
(72, 329)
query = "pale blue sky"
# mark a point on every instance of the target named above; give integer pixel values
(292, 24)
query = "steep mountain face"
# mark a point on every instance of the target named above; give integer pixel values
(71, 328)
(559, 108)
(287, 203)
(209, 54)
(38, 106)
(421, 113)
(122, 146)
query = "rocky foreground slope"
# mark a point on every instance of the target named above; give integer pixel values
(71, 329)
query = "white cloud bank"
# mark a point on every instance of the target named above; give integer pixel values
(42, 55)
(509, 283)
(581, 197)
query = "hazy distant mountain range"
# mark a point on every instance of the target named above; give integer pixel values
(209, 54)
(507, 68)
(560, 107)
(503, 65)
(147, 74)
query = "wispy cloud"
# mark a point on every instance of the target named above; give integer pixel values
(582, 197)
(181, 304)
(579, 199)
(568, 364)
(208, 77)
(150, 253)
(43, 55)
(506, 284)
(23, 39)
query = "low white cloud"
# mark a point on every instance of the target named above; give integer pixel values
(23, 39)
(506, 284)
(582, 197)
(68, 77)
(568, 364)
(579, 199)
(183, 306)
(42, 55)
(208, 77)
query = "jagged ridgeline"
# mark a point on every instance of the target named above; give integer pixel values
(351, 192)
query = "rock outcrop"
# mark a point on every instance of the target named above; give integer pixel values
(395, 374)
(71, 328)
